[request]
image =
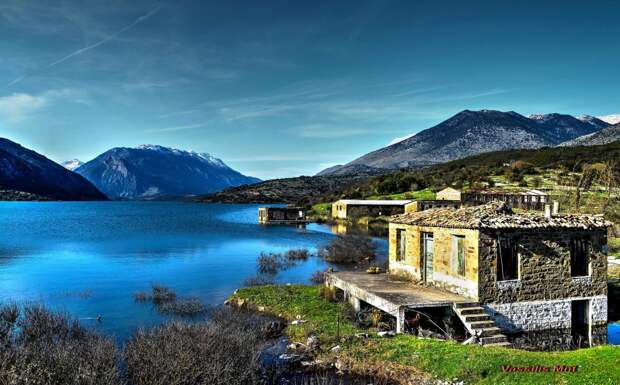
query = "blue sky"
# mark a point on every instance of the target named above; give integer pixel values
(280, 89)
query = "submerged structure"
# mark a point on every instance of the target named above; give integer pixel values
(281, 215)
(529, 279)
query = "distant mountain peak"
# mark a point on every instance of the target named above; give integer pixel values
(72, 164)
(152, 170)
(469, 133)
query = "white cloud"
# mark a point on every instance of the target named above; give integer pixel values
(18, 106)
(611, 119)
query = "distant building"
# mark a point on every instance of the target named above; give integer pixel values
(356, 208)
(449, 194)
(526, 199)
(538, 278)
(281, 215)
(415, 206)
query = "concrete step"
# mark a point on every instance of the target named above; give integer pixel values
(493, 339)
(489, 332)
(471, 310)
(460, 305)
(499, 344)
(481, 324)
(476, 318)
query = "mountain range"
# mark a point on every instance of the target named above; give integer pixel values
(151, 171)
(606, 135)
(470, 133)
(25, 173)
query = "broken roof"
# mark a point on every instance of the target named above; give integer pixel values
(497, 215)
(362, 202)
(508, 192)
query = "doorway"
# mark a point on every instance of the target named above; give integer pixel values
(580, 323)
(427, 257)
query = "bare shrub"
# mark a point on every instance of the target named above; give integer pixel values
(260, 280)
(224, 351)
(349, 249)
(42, 347)
(183, 307)
(163, 294)
(318, 277)
(270, 263)
(297, 255)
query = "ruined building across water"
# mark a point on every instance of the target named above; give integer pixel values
(281, 215)
(541, 279)
(356, 208)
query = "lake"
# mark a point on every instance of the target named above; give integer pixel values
(89, 258)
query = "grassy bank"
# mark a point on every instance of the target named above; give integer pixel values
(447, 360)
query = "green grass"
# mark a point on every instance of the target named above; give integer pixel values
(426, 194)
(444, 359)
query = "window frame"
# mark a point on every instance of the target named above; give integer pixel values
(517, 258)
(401, 245)
(455, 266)
(586, 246)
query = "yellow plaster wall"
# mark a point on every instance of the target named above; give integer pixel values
(443, 275)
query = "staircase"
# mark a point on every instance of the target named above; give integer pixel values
(478, 323)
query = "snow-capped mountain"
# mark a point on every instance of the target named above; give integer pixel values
(72, 164)
(150, 171)
(470, 133)
(26, 171)
(611, 119)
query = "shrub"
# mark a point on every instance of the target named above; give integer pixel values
(223, 351)
(141, 296)
(349, 249)
(269, 263)
(318, 277)
(260, 280)
(297, 254)
(182, 307)
(42, 347)
(163, 294)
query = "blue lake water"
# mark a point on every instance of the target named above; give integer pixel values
(89, 258)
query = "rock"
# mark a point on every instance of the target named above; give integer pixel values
(295, 346)
(290, 358)
(261, 308)
(362, 335)
(298, 322)
(274, 329)
(386, 334)
(312, 343)
(335, 349)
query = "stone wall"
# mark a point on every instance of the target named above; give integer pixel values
(546, 325)
(544, 267)
(444, 275)
(540, 315)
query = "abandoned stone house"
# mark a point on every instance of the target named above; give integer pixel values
(448, 194)
(421, 205)
(276, 215)
(538, 277)
(525, 199)
(356, 208)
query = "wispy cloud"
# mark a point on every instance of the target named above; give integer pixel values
(17, 107)
(176, 128)
(126, 28)
(98, 43)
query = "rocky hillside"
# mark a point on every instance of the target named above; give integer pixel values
(606, 135)
(150, 171)
(473, 132)
(287, 190)
(27, 175)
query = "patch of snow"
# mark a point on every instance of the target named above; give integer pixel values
(400, 139)
(611, 119)
(72, 164)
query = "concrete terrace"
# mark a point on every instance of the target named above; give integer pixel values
(390, 295)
